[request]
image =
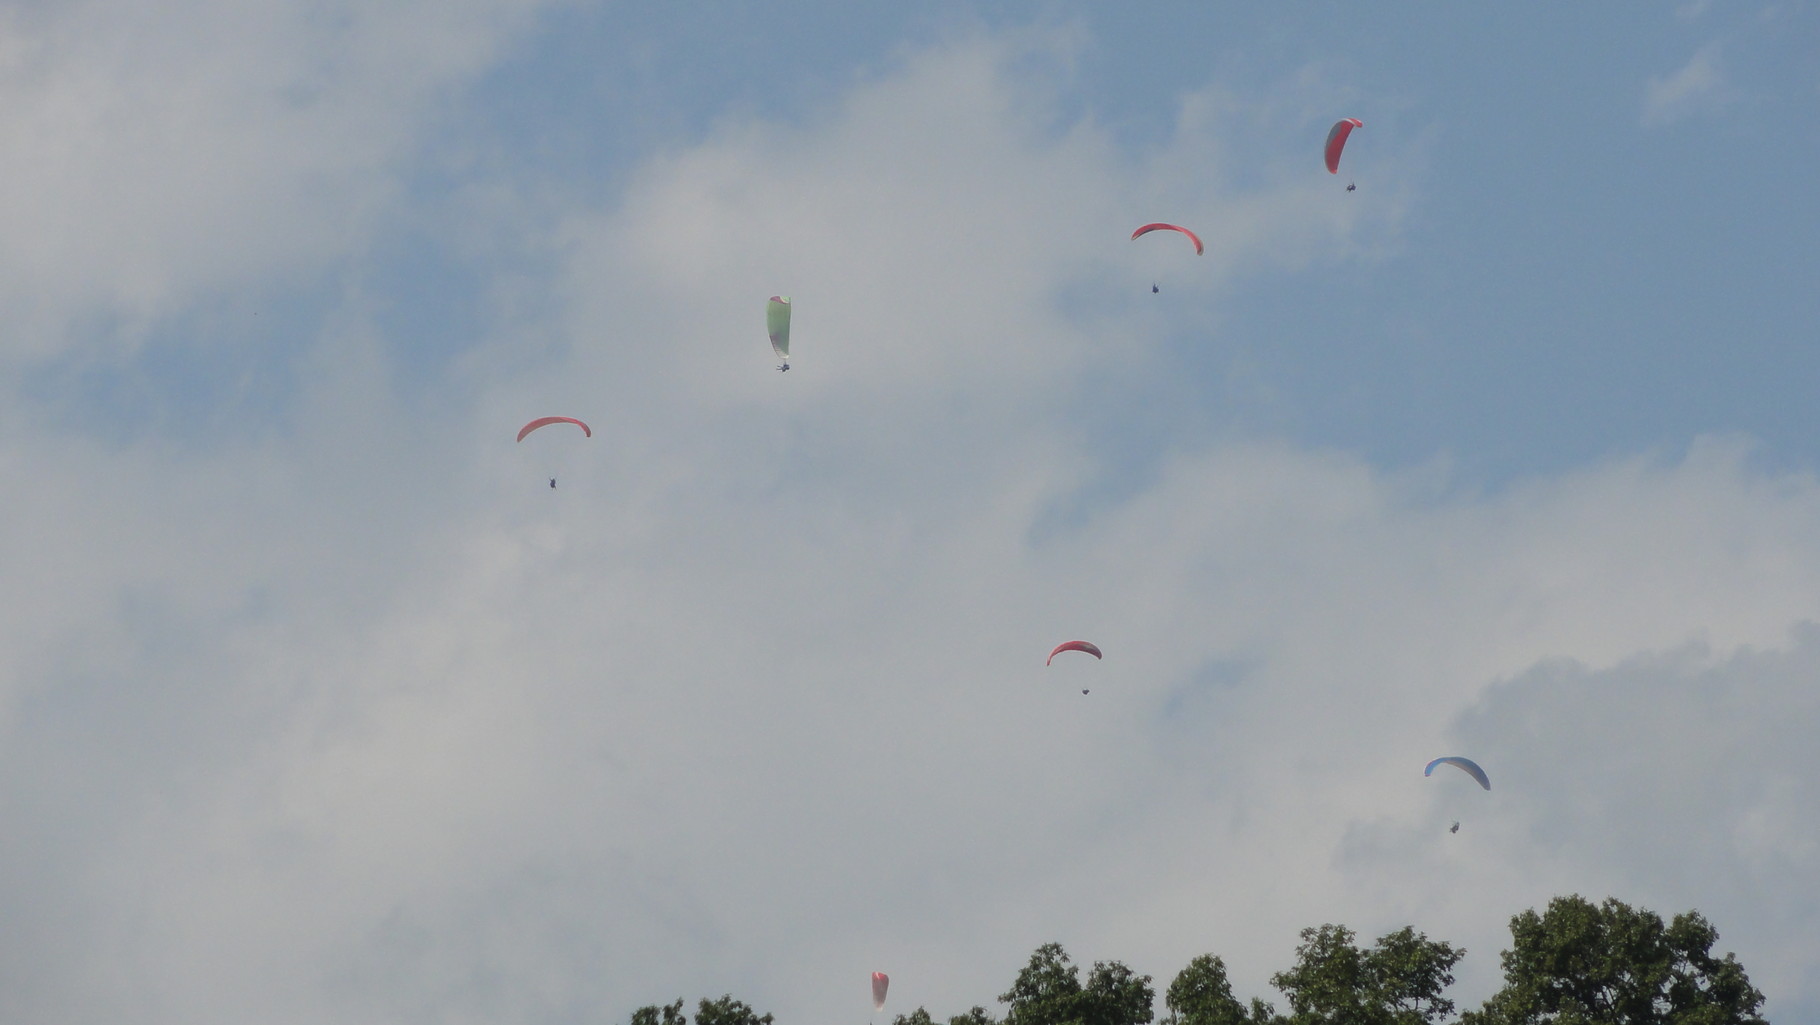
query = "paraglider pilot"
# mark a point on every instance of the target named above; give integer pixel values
(1352, 186)
(1456, 828)
(552, 481)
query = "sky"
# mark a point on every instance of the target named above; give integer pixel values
(318, 704)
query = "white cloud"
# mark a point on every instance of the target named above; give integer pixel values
(363, 723)
(1674, 780)
(1698, 87)
(153, 155)
(1673, 740)
(1692, 10)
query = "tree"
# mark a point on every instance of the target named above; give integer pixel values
(975, 1016)
(669, 1014)
(727, 1011)
(1396, 982)
(1202, 995)
(1116, 996)
(1048, 991)
(1045, 989)
(1617, 965)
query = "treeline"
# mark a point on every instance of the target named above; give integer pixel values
(1578, 963)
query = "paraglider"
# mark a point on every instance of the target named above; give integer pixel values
(1159, 226)
(1352, 186)
(1153, 288)
(545, 421)
(1456, 826)
(777, 324)
(1466, 765)
(1087, 646)
(880, 982)
(1336, 141)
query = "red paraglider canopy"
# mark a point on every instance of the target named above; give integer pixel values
(545, 421)
(1160, 226)
(879, 982)
(1087, 646)
(1336, 141)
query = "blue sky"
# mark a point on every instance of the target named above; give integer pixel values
(318, 704)
(1578, 255)
(1585, 274)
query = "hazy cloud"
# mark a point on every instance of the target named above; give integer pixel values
(1698, 87)
(358, 721)
(155, 155)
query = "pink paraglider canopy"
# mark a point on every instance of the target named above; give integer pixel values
(545, 421)
(1087, 646)
(1160, 226)
(1336, 141)
(879, 983)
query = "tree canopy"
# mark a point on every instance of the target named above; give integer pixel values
(1397, 981)
(1616, 965)
(721, 1011)
(669, 1014)
(1202, 995)
(1048, 991)
(1577, 963)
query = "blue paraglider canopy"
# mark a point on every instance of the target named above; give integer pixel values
(1466, 765)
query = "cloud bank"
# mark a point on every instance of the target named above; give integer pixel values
(1697, 87)
(356, 720)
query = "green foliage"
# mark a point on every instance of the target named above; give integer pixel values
(1611, 964)
(669, 1014)
(1396, 982)
(727, 1011)
(1044, 991)
(975, 1015)
(1202, 995)
(1116, 996)
(1048, 991)
(1577, 964)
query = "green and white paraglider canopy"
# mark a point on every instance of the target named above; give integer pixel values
(777, 324)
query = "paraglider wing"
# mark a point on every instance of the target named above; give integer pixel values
(880, 981)
(1336, 141)
(1199, 249)
(777, 323)
(545, 421)
(1466, 765)
(1087, 646)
